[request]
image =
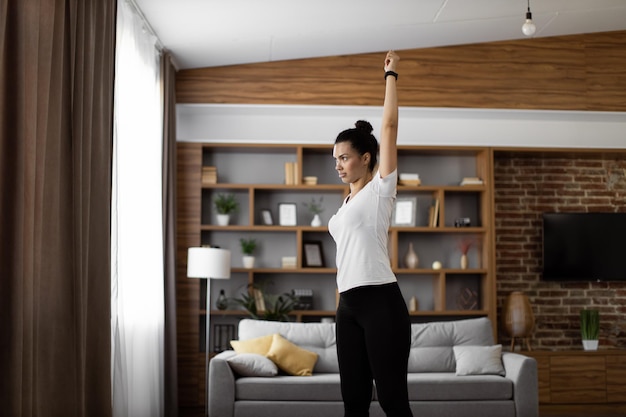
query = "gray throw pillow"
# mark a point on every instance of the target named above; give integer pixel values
(479, 360)
(252, 364)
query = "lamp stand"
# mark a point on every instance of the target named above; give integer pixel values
(207, 340)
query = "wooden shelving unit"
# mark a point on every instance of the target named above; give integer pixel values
(255, 174)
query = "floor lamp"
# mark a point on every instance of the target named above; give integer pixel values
(209, 263)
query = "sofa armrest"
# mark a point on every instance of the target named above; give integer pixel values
(522, 370)
(221, 386)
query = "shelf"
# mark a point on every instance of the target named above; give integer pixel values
(444, 188)
(430, 271)
(287, 270)
(315, 313)
(438, 229)
(276, 187)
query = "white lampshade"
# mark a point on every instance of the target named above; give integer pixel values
(211, 263)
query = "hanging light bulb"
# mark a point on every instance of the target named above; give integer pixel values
(528, 28)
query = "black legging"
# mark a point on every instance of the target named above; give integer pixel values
(373, 342)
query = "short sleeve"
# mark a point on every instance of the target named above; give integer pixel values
(387, 186)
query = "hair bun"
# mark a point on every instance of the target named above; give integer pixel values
(364, 125)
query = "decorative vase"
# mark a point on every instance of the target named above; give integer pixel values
(222, 302)
(464, 261)
(248, 261)
(317, 221)
(518, 318)
(223, 219)
(413, 304)
(411, 259)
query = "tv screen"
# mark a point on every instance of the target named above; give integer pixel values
(584, 246)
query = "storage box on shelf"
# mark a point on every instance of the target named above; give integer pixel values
(262, 177)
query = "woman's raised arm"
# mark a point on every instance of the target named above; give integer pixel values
(389, 132)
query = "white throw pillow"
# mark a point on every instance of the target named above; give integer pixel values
(252, 364)
(479, 360)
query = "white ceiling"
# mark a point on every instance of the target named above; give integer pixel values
(207, 33)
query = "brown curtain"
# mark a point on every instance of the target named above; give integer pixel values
(56, 99)
(168, 77)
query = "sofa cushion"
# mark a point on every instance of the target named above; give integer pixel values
(449, 387)
(319, 387)
(290, 358)
(431, 343)
(259, 345)
(252, 364)
(478, 360)
(318, 338)
(422, 387)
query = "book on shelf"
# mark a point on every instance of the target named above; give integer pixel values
(409, 179)
(259, 300)
(433, 214)
(209, 175)
(289, 262)
(471, 181)
(291, 173)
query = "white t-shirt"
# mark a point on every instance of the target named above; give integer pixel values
(361, 231)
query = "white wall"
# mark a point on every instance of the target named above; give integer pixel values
(418, 126)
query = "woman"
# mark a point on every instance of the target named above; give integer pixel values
(373, 325)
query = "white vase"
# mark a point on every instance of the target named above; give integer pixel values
(411, 260)
(464, 261)
(317, 221)
(223, 219)
(590, 344)
(248, 261)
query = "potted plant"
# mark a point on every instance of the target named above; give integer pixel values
(247, 248)
(316, 208)
(225, 204)
(275, 307)
(590, 328)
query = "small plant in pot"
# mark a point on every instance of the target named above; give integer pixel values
(225, 204)
(316, 208)
(261, 306)
(590, 328)
(247, 248)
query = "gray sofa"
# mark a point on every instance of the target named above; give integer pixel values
(435, 389)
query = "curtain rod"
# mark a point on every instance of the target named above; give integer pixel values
(146, 24)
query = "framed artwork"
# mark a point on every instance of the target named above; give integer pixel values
(287, 214)
(404, 212)
(266, 217)
(312, 252)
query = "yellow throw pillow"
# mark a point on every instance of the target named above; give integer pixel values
(259, 345)
(291, 358)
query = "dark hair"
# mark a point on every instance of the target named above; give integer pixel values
(361, 140)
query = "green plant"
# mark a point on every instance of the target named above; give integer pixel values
(315, 207)
(589, 324)
(226, 203)
(277, 306)
(248, 246)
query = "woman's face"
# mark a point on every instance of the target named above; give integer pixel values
(349, 164)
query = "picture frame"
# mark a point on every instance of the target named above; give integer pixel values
(312, 254)
(404, 212)
(266, 217)
(287, 214)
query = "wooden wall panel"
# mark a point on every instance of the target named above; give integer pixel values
(581, 72)
(190, 360)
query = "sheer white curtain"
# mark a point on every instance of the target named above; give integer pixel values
(137, 294)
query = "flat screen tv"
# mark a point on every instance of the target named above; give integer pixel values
(584, 246)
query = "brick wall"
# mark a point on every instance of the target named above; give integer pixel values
(528, 184)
